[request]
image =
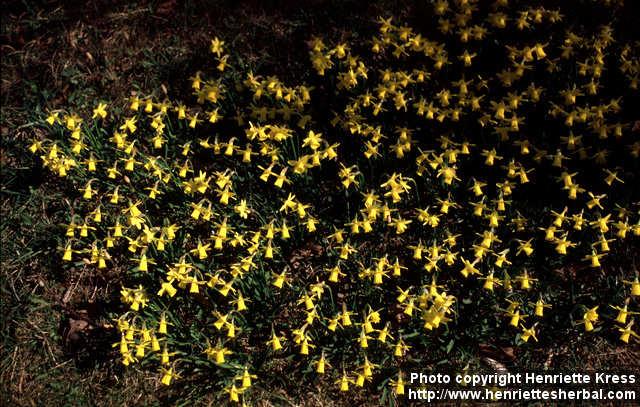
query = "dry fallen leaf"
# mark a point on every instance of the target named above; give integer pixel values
(495, 365)
(502, 353)
(74, 330)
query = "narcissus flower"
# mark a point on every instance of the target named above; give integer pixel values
(100, 111)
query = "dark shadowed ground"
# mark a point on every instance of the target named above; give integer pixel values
(55, 347)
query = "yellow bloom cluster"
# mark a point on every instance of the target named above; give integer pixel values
(434, 149)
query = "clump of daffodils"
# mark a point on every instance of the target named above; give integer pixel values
(416, 190)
